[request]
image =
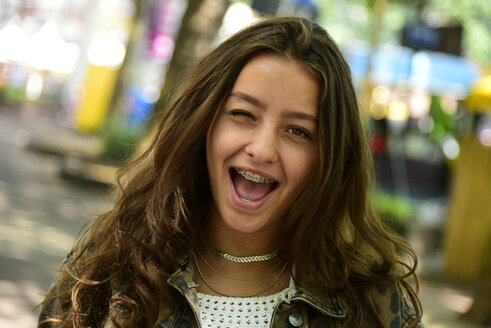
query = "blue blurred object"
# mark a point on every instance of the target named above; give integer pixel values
(308, 3)
(139, 109)
(436, 72)
(446, 39)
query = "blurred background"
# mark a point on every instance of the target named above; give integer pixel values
(80, 81)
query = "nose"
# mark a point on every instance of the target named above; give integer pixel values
(263, 146)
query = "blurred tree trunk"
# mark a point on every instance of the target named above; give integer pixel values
(480, 311)
(468, 228)
(198, 31)
(136, 32)
(467, 245)
(377, 8)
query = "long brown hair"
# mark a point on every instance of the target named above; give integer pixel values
(334, 238)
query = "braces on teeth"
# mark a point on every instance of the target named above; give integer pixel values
(253, 177)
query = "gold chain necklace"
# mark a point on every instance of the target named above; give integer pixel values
(239, 259)
(229, 295)
(237, 278)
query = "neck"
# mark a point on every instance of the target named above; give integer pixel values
(239, 243)
(229, 278)
(267, 276)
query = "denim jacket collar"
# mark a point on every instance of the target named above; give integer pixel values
(183, 281)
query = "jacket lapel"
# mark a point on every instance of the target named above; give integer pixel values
(326, 302)
(183, 281)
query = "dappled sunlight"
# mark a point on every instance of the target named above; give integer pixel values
(38, 225)
(444, 306)
(56, 239)
(456, 302)
(17, 302)
(25, 236)
(33, 190)
(4, 202)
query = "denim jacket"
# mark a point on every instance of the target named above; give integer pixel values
(308, 307)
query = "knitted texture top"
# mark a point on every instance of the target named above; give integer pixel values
(239, 312)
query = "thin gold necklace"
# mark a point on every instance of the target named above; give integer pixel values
(237, 278)
(239, 259)
(242, 296)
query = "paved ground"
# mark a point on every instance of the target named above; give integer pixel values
(444, 305)
(40, 213)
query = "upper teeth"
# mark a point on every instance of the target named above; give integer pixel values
(254, 177)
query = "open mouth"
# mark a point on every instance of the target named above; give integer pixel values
(250, 186)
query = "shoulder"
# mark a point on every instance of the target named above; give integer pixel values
(52, 307)
(395, 303)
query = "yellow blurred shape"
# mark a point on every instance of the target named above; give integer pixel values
(397, 111)
(378, 111)
(380, 98)
(94, 103)
(381, 94)
(479, 99)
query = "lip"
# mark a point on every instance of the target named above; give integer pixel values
(253, 204)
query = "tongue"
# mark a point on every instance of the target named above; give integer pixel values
(250, 190)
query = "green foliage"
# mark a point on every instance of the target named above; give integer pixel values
(444, 123)
(350, 20)
(392, 207)
(120, 140)
(15, 95)
(475, 17)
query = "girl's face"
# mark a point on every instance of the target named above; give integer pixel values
(263, 145)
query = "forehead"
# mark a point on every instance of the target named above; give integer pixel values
(277, 81)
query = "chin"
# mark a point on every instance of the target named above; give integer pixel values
(251, 225)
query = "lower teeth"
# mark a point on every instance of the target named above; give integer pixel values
(245, 200)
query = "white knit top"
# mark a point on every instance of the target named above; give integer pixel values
(241, 312)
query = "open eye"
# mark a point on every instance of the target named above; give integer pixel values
(299, 132)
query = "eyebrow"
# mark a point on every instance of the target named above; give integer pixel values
(248, 98)
(256, 102)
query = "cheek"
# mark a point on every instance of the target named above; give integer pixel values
(221, 144)
(302, 169)
(215, 147)
(225, 140)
